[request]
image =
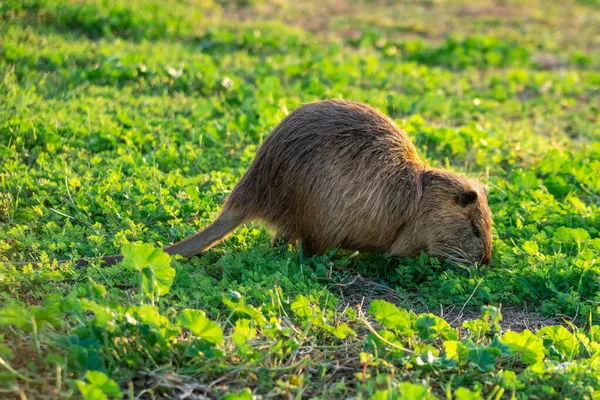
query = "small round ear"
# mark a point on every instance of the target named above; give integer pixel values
(467, 197)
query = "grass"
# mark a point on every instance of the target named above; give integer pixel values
(125, 123)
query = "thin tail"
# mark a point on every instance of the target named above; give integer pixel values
(206, 238)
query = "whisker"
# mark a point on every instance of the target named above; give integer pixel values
(468, 257)
(458, 256)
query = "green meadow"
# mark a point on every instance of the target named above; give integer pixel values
(125, 125)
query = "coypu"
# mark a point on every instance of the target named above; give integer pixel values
(341, 174)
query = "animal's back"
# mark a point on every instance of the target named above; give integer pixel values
(332, 174)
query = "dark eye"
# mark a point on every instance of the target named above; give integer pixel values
(476, 231)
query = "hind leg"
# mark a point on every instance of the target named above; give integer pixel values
(310, 248)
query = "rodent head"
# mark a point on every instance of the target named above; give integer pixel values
(456, 218)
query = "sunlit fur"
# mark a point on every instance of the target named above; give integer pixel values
(453, 237)
(341, 174)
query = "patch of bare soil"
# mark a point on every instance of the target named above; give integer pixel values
(412, 19)
(513, 318)
(312, 16)
(358, 292)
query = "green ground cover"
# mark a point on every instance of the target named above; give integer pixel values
(130, 122)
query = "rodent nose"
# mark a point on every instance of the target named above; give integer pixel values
(487, 259)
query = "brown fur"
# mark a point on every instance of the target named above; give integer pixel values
(341, 174)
